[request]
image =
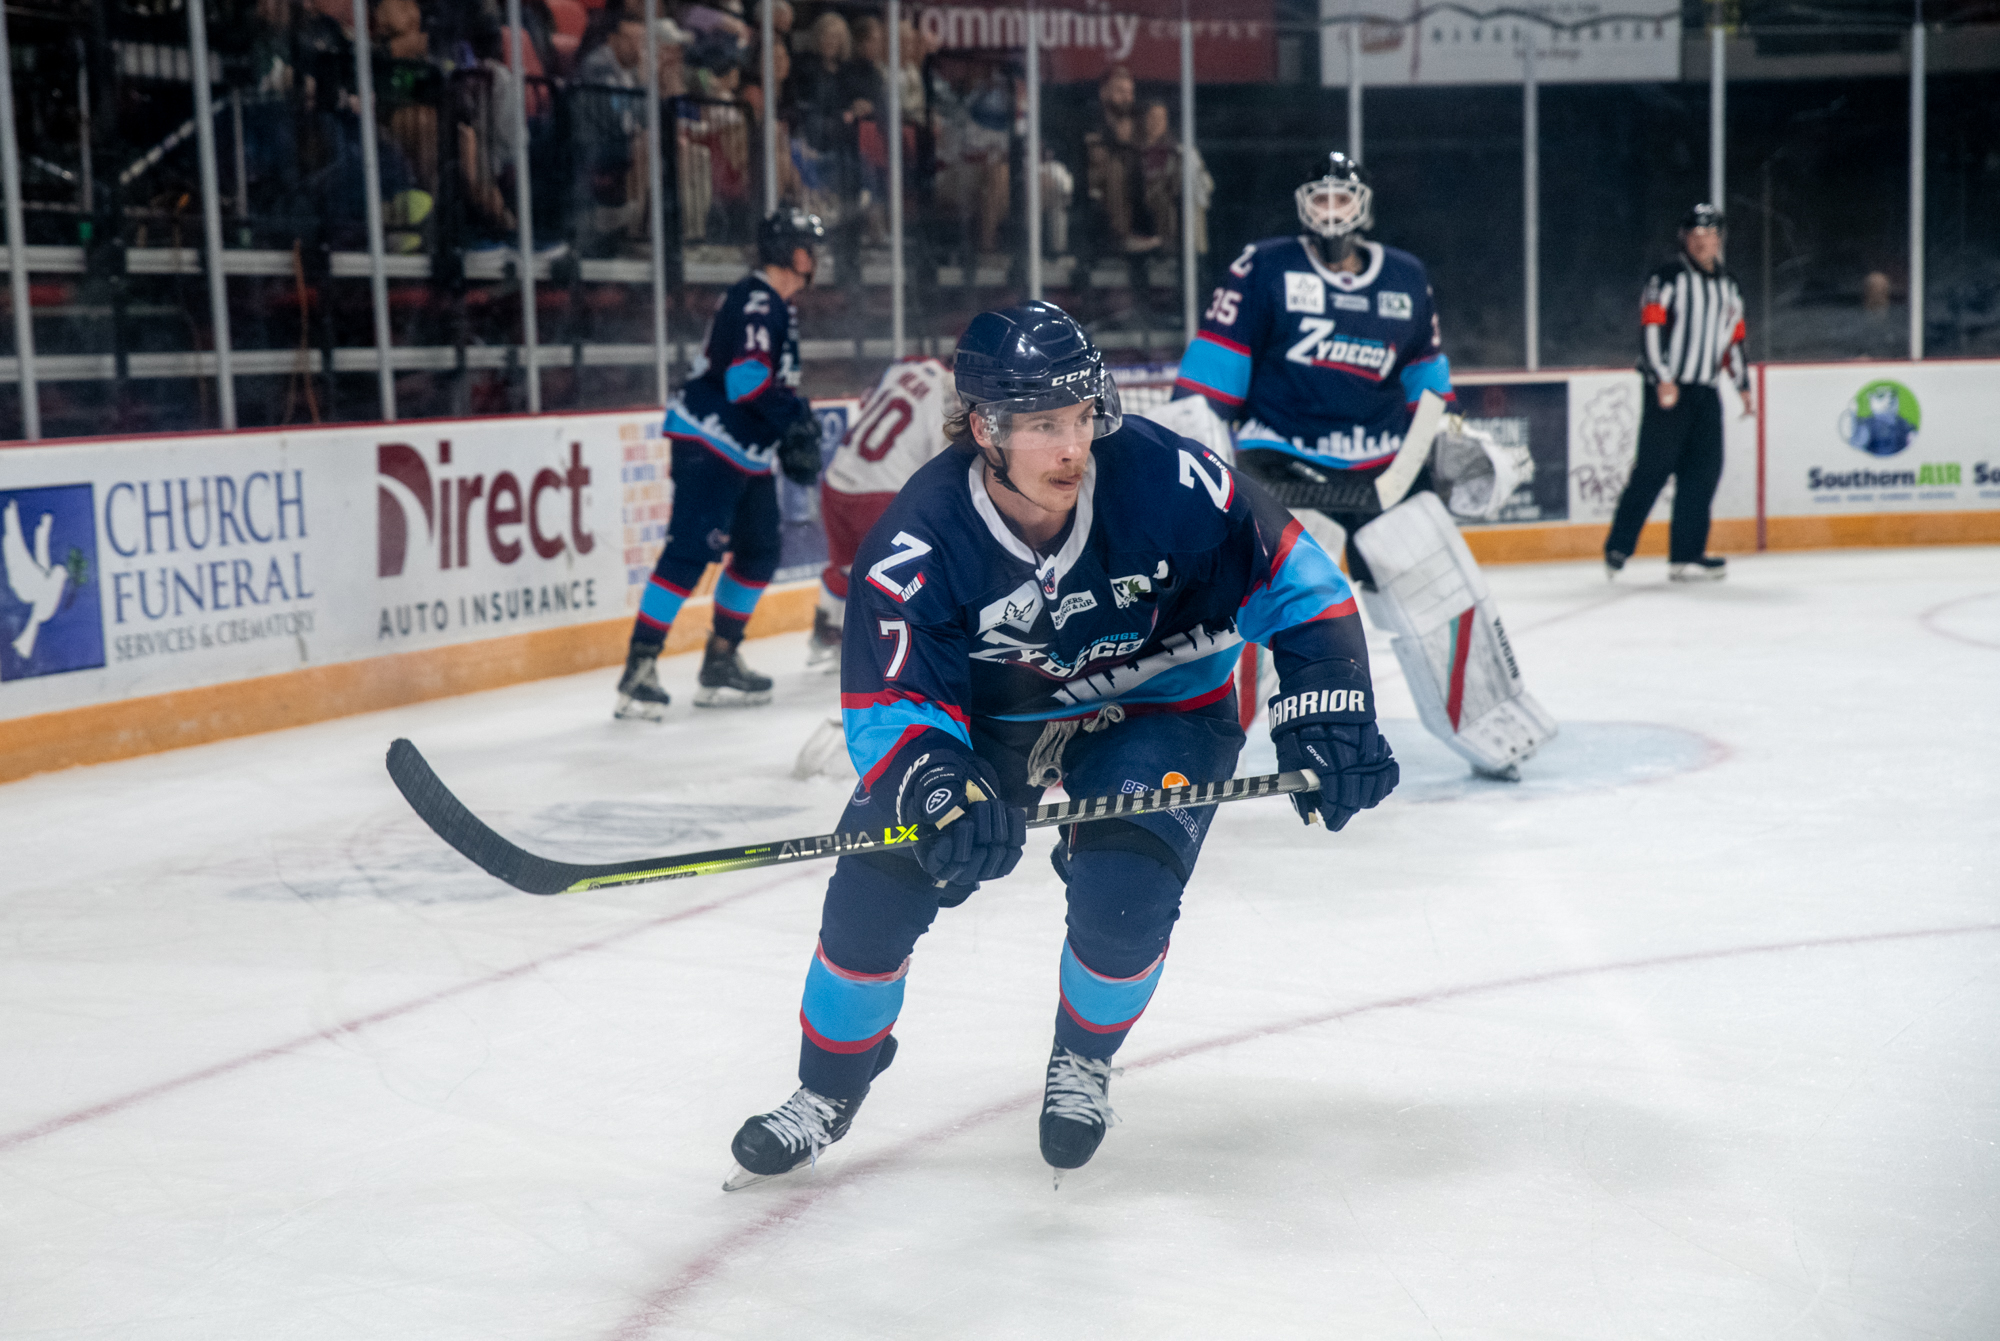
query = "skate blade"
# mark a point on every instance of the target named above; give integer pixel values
(632, 710)
(1511, 773)
(740, 1178)
(1694, 574)
(719, 697)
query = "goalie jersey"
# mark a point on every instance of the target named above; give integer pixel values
(1170, 562)
(1320, 364)
(743, 393)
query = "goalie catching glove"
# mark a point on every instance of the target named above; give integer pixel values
(979, 837)
(798, 451)
(1329, 727)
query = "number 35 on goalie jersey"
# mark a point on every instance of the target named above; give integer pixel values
(1323, 364)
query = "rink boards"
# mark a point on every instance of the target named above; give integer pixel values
(157, 592)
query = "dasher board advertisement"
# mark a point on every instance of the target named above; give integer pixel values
(141, 567)
(1883, 437)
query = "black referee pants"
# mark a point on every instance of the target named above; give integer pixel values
(1686, 443)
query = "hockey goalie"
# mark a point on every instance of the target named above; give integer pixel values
(1323, 350)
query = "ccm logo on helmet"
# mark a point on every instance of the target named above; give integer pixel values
(1318, 701)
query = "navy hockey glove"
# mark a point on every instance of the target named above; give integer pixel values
(980, 837)
(1330, 728)
(798, 450)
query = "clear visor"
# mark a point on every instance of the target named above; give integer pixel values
(1054, 420)
(1334, 208)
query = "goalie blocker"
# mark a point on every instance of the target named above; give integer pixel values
(1431, 597)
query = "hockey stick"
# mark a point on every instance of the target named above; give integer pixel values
(1371, 496)
(1394, 482)
(525, 871)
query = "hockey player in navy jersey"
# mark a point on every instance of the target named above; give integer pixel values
(1320, 348)
(1060, 597)
(739, 417)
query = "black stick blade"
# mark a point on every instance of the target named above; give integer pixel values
(451, 821)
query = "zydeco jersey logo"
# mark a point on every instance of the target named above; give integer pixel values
(50, 620)
(1882, 419)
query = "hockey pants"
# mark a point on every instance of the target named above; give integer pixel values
(1124, 879)
(719, 514)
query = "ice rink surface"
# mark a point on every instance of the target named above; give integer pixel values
(1690, 1034)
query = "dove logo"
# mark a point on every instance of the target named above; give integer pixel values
(50, 619)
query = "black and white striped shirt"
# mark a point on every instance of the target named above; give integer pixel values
(1693, 324)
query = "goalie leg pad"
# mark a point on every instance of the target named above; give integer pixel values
(1434, 602)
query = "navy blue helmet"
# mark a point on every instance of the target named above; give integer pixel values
(785, 231)
(1032, 357)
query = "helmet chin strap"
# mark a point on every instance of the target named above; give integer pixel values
(998, 467)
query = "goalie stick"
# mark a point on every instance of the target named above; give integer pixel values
(451, 821)
(1334, 492)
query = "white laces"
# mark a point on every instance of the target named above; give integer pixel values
(801, 1122)
(1045, 761)
(1077, 1088)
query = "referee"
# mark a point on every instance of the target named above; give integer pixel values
(1692, 318)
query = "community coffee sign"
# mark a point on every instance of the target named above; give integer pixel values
(1082, 43)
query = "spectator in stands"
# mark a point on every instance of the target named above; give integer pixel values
(720, 31)
(673, 65)
(829, 94)
(1121, 223)
(871, 42)
(608, 120)
(1161, 154)
(1058, 194)
(974, 118)
(919, 148)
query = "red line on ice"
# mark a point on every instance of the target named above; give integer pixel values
(1929, 620)
(659, 1306)
(334, 1032)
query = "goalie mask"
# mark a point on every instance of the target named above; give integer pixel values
(1339, 204)
(1027, 359)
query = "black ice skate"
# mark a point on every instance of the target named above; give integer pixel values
(726, 682)
(1708, 568)
(823, 649)
(1614, 563)
(639, 692)
(1075, 1109)
(793, 1134)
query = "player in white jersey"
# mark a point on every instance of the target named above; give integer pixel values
(900, 427)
